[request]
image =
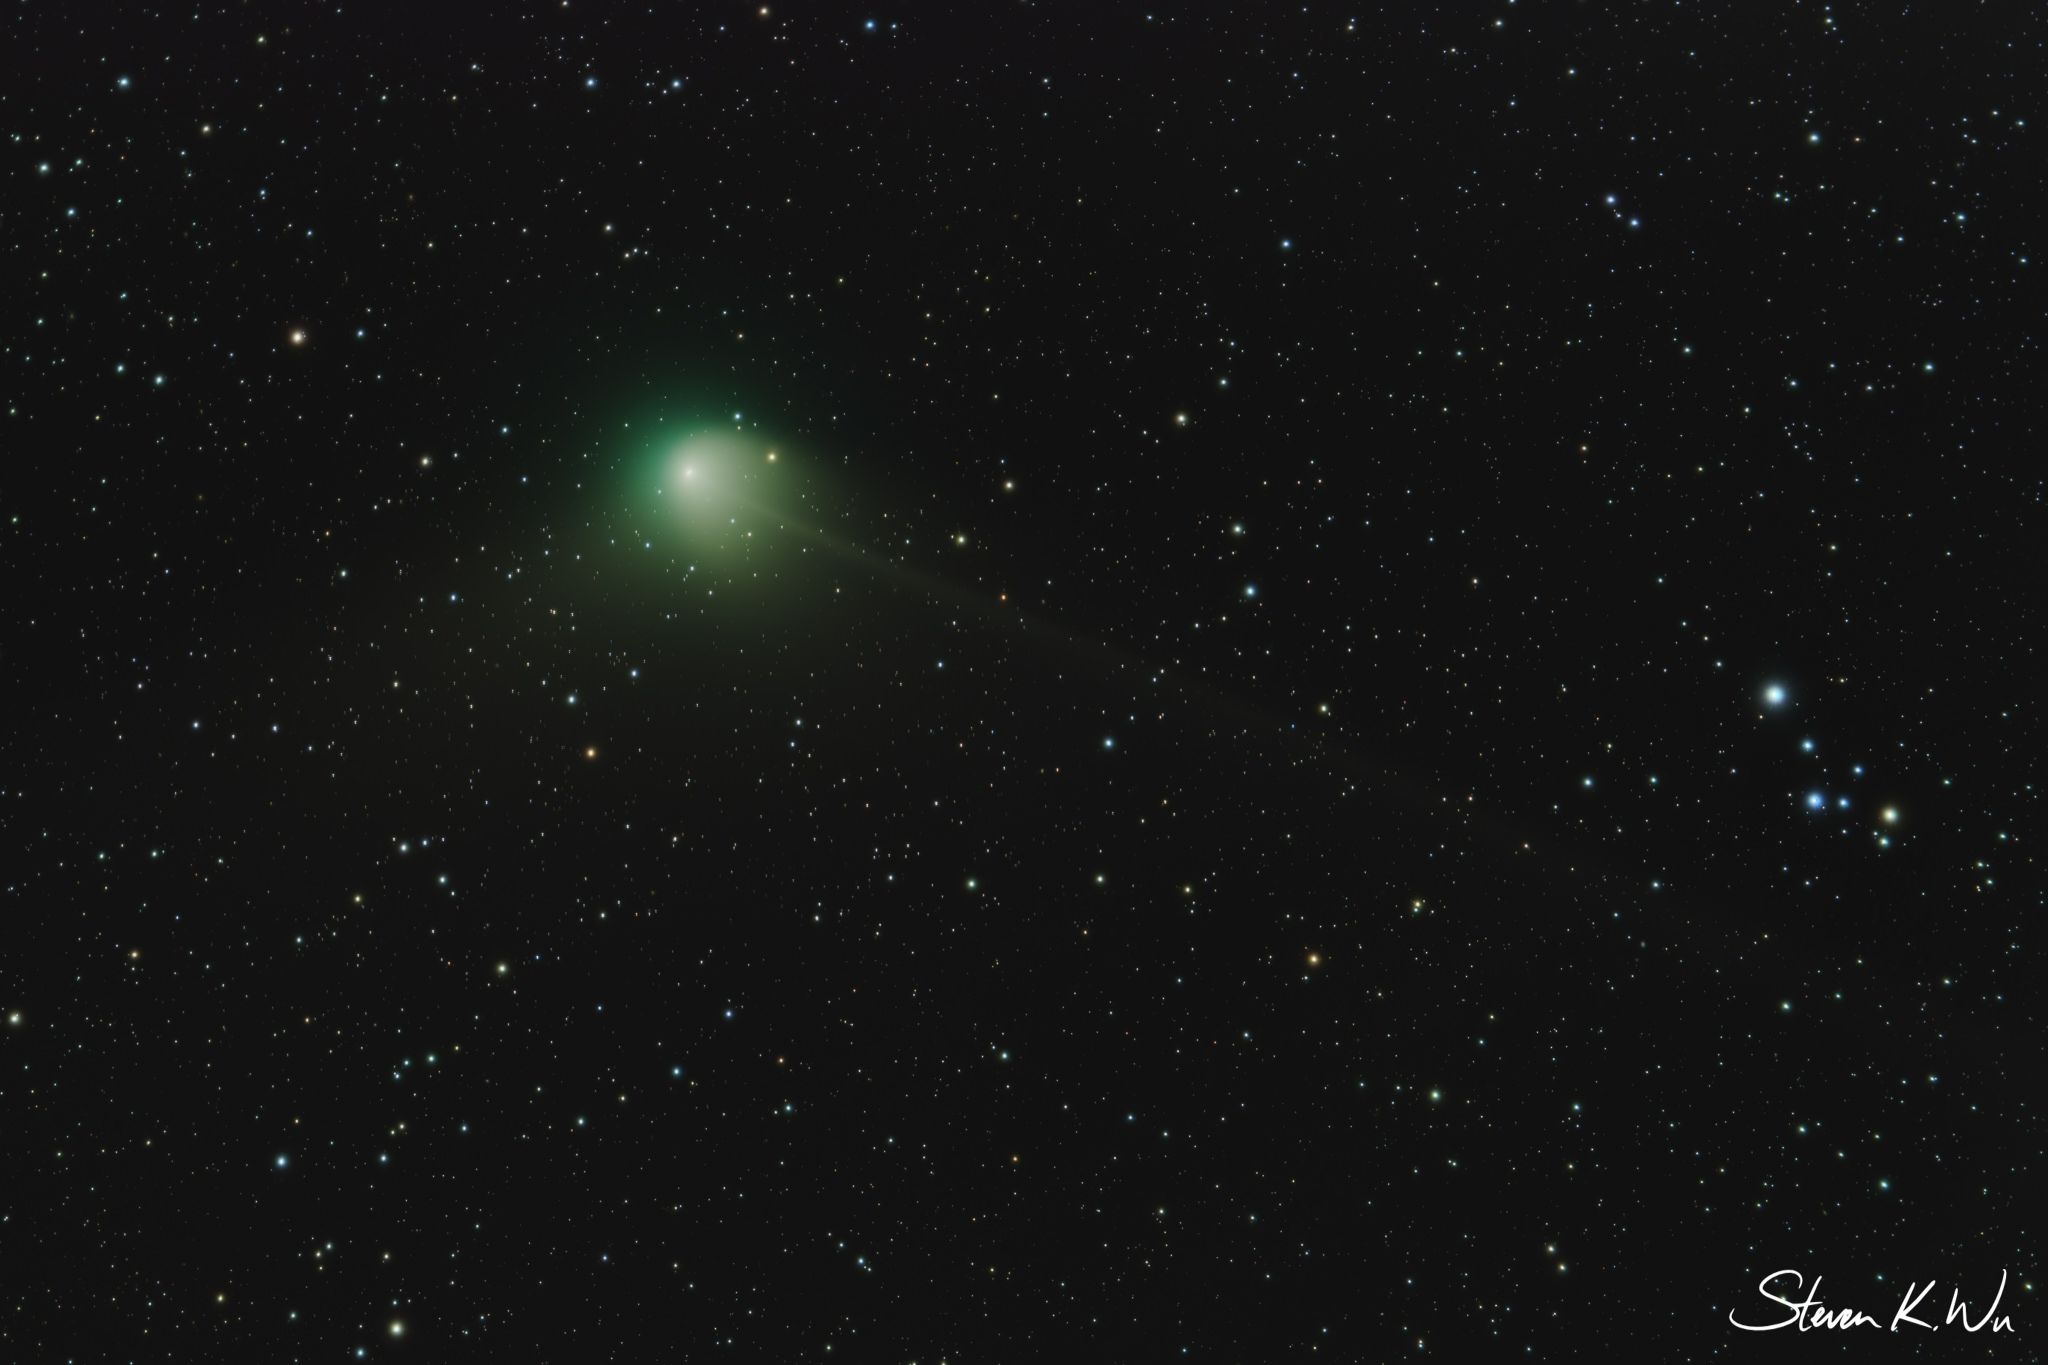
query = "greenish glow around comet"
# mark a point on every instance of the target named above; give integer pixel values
(708, 490)
(712, 480)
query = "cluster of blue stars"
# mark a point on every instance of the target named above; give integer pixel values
(1817, 800)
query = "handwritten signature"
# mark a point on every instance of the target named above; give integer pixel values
(1810, 1313)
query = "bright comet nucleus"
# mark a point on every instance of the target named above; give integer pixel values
(699, 490)
(711, 478)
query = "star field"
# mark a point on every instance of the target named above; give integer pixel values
(1022, 682)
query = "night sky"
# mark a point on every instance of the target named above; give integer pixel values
(1017, 682)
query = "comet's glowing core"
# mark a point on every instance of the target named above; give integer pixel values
(698, 500)
(709, 471)
(716, 486)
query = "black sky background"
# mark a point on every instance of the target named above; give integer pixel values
(1220, 910)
